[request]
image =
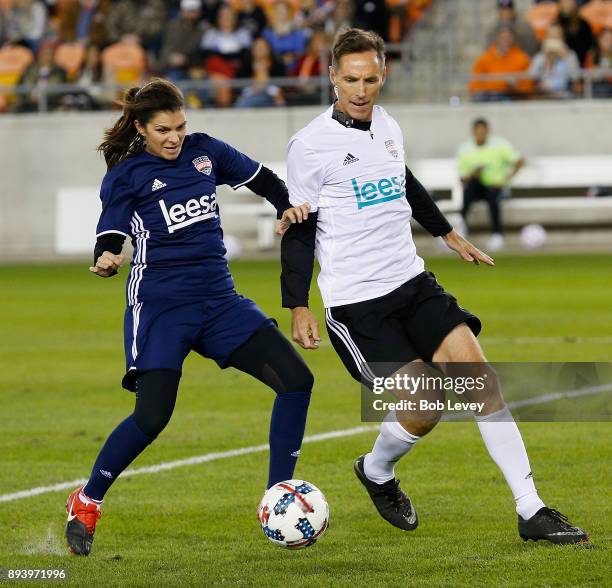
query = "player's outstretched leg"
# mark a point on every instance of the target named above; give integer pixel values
(269, 356)
(155, 398)
(535, 520)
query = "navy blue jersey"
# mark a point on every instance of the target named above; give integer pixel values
(169, 209)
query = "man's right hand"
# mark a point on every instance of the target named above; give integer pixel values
(107, 264)
(305, 328)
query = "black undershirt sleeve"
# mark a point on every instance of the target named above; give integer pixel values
(112, 242)
(297, 262)
(267, 184)
(424, 210)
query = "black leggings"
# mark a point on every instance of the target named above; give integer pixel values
(267, 356)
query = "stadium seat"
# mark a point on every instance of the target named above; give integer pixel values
(125, 62)
(70, 56)
(541, 16)
(14, 59)
(598, 13)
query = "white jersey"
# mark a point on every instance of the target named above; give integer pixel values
(356, 181)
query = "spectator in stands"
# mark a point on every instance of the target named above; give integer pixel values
(503, 58)
(90, 96)
(42, 73)
(601, 57)
(181, 41)
(309, 69)
(577, 31)
(286, 40)
(85, 21)
(252, 18)
(524, 35)
(224, 47)
(340, 17)
(143, 18)
(487, 164)
(260, 66)
(555, 68)
(26, 20)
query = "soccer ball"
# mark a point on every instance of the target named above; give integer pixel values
(293, 514)
(533, 236)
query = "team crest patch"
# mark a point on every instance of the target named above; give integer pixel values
(391, 148)
(203, 164)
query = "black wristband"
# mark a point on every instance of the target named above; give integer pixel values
(112, 242)
(267, 184)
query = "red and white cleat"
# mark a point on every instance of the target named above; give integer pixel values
(83, 514)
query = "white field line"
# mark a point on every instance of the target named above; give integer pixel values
(198, 459)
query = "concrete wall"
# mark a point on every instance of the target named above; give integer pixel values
(40, 155)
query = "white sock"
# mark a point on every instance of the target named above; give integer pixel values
(505, 445)
(392, 443)
(86, 500)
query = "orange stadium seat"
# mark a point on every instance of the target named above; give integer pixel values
(124, 63)
(598, 13)
(70, 56)
(541, 16)
(13, 62)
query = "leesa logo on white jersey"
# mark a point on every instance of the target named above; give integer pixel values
(193, 211)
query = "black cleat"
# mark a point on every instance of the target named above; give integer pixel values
(390, 502)
(551, 525)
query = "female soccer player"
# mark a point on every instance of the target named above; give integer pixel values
(160, 191)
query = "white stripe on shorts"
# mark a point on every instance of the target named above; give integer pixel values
(343, 334)
(135, 321)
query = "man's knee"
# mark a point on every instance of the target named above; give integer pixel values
(420, 427)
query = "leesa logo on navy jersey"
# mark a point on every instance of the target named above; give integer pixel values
(194, 210)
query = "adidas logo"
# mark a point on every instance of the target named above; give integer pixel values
(296, 453)
(350, 158)
(157, 185)
(104, 472)
(529, 475)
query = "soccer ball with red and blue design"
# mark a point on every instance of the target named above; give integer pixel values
(293, 514)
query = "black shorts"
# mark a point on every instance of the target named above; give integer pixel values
(408, 323)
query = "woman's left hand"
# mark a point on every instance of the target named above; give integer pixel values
(297, 214)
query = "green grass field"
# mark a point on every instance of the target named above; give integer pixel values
(61, 365)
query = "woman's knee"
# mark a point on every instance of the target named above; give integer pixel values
(156, 392)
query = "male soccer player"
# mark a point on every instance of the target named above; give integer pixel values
(380, 303)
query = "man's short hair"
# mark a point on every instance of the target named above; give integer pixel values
(480, 121)
(356, 40)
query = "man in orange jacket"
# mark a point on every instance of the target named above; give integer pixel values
(503, 58)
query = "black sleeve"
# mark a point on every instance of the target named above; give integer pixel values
(424, 210)
(112, 242)
(297, 262)
(267, 184)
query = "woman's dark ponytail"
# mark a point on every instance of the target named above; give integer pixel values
(139, 104)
